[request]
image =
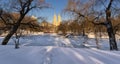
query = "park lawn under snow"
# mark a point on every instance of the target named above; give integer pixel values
(53, 49)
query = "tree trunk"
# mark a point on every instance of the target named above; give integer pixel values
(112, 39)
(108, 24)
(14, 29)
(83, 29)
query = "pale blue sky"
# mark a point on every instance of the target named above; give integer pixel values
(58, 6)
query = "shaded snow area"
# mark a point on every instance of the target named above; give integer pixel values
(54, 49)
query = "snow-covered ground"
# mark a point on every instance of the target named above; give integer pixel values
(54, 49)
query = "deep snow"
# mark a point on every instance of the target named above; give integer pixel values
(56, 55)
(54, 49)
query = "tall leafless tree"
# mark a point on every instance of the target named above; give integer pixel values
(108, 24)
(23, 7)
(88, 8)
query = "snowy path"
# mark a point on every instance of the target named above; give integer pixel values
(56, 55)
(52, 49)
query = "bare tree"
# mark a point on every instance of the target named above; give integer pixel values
(22, 7)
(108, 25)
(88, 8)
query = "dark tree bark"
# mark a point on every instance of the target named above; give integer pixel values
(83, 29)
(108, 24)
(13, 30)
(112, 39)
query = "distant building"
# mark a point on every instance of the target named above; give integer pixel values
(51, 27)
(59, 20)
(56, 20)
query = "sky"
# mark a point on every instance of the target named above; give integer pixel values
(58, 6)
(48, 13)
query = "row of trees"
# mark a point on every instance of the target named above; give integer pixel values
(92, 11)
(46, 26)
(73, 26)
